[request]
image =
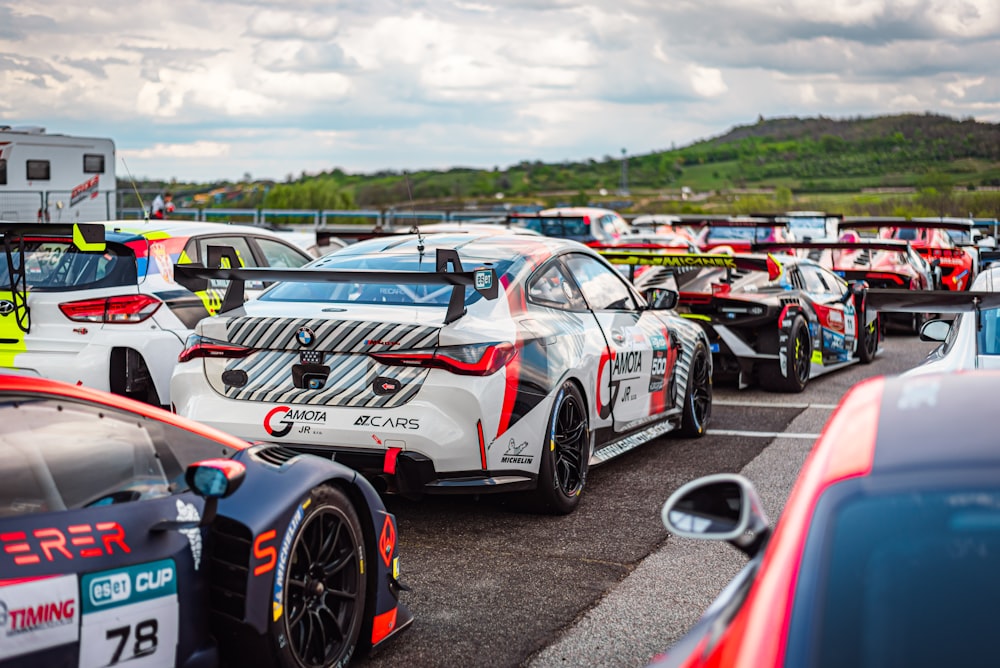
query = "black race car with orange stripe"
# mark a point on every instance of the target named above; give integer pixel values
(130, 535)
(776, 320)
(450, 363)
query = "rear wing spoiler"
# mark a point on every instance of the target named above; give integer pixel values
(754, 221)
(196, 277)
(84, 236)
(694, 261)
(933, 301)
(863, 223)
(898, 245)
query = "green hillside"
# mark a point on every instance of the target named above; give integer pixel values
(924, 163)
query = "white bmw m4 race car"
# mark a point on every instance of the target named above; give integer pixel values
(449, 363)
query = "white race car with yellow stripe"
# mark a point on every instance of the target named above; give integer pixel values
(96, 304)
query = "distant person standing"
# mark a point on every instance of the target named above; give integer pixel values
(163, 205)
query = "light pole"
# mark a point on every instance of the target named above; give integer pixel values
(624, 186)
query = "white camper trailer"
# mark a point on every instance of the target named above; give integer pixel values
(58, 178)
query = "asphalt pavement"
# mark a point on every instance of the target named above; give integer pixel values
(603, 586)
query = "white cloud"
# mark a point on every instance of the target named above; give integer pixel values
(707, 81)
(309, 85)
(197, 150)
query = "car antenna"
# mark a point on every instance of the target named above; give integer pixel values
(414, 227)
(145, 214)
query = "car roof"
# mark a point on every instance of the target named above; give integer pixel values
(925, 423)
(123, 230)
(470, 244)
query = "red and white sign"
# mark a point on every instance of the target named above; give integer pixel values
(85, 189)
(38, 614)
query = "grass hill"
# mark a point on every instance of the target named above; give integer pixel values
(818, 162)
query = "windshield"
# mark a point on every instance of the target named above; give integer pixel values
(57, 265)
(904, 579)
(376, 293)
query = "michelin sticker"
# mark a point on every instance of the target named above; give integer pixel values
(129, 614)
(37, 615)
(277, 607)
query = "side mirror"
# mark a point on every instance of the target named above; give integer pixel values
(660, 299)
(723, 506)
(211, 479)
(215, 478)
(935, 330)
(855, 290)
(936, 262)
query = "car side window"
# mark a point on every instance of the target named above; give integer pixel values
(814, 280)
(552, 288)
(130, 458)
(44, 445)
(240, 244)
(837, 285)
(603, 288)
(279, 254)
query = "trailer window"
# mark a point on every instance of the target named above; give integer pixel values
(38, 170)
(3, 172)
(93, 163)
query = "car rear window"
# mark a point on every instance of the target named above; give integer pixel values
(57, 265)
(902, 578)
(742, 233)
(375, 293)
(563, 227)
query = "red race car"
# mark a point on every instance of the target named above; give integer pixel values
(887, 550)
(881, 263)
(931, 239)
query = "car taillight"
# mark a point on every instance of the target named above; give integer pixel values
(200, 346)
(481, 359)
(124, 309)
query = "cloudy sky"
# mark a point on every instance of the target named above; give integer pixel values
(199, 90)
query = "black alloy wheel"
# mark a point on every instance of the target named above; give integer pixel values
(698, 400)
(324, 587)
(562, 472)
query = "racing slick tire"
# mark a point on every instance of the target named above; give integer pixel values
(698, 398)
(565, 458)
(868, 341)
(320, 590)
(798, 365)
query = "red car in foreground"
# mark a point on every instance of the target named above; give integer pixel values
(887, 551)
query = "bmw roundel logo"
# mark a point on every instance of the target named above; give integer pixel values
(305, 337)
(6, 307)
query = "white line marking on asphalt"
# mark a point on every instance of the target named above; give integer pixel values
(761, 434)
(769, 404)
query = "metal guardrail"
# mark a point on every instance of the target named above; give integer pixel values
(23, 206)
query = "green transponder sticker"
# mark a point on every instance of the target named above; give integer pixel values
(94, 243)
(123, 586)
(484, 279)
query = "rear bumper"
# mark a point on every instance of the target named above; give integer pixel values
(413, 474)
